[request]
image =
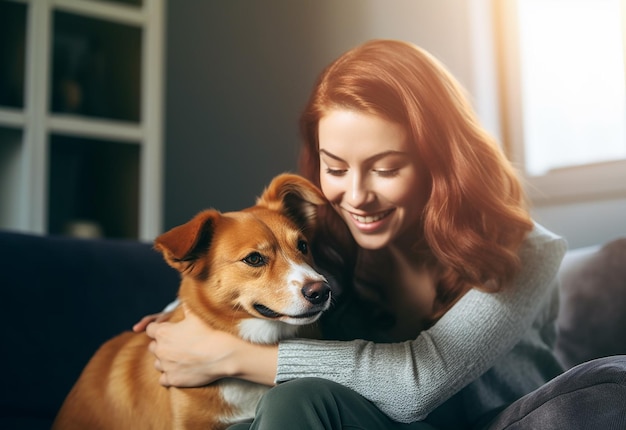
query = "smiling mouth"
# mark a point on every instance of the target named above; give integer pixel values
(368, 219)
(269, 313)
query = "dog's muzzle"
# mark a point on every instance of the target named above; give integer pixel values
(317, 293)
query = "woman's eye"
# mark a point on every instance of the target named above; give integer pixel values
(255, 259)
(303, 247)
(386, 173)
(335, 172)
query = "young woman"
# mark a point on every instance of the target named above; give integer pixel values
(446, 290)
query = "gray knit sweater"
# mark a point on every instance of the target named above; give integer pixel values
(488, 350)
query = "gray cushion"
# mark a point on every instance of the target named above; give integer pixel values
(592, 318)
(588, 396)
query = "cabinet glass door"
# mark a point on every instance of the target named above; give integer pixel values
(96, 68)
(93, 187)
(12, 53)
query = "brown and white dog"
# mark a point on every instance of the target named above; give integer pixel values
(249, 273)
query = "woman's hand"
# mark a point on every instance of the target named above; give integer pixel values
(189, 353)
(141, 325)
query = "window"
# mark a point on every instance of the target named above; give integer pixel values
(565, 95)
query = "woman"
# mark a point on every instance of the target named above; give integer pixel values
(445, 283)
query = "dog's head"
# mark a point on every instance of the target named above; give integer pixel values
(239, 267)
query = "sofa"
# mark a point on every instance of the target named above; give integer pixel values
(62, 297)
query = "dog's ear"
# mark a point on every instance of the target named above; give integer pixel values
(183, 245)
(294, 196)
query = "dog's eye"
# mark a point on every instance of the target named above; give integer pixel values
(303, 247)
(255, 259)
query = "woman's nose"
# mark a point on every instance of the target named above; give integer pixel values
(358, 193)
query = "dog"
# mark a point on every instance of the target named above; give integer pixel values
(249, 273)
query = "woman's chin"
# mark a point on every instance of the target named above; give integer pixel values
(371, 242)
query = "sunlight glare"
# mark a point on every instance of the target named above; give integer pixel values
(573, 92)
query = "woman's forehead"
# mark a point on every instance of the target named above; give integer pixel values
(344, 131)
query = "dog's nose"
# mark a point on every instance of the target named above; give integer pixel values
(316, 292)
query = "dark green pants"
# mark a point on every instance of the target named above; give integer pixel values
(311, 403)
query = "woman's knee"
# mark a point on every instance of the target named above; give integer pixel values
(307, 403)
(302, 391)
(314, 403)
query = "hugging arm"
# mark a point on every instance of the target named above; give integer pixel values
(409, 380)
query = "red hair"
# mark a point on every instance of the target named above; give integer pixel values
(475, 217)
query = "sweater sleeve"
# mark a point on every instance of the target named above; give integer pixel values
(409, 380)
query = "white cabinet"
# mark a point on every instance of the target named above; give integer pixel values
(81, 85)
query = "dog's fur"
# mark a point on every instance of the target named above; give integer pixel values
(248, 273)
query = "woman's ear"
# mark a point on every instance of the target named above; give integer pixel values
(295, 197)
(183, 245)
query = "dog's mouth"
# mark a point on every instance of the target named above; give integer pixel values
(269, 313)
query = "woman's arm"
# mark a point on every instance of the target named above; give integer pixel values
(409, 380)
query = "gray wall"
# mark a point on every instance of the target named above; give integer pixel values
(239, 73)
(585, 223)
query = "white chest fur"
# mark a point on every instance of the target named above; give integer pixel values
(245, 395)
(265, 331)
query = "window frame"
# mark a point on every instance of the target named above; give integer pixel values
(593, 181)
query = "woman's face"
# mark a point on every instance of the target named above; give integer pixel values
(369, 172)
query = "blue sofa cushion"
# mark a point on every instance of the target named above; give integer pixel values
(61, 299)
